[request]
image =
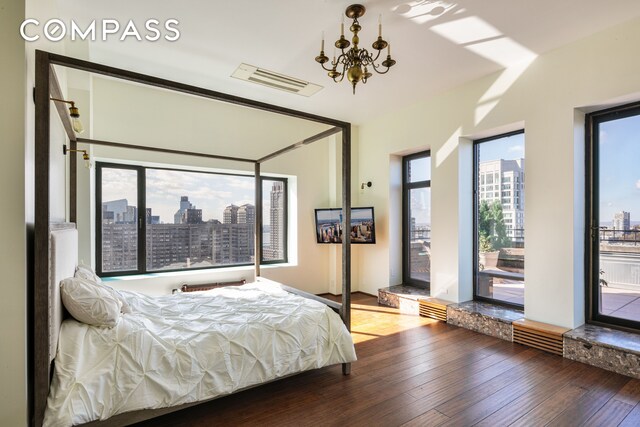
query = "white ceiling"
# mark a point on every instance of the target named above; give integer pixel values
(437, 44)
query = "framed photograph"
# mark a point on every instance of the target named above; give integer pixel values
(329, 225)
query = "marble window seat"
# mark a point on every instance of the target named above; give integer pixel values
(404, 298)
(486, 318)
(606, 348)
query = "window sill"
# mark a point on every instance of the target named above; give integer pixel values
(191, 273)
(615, 339)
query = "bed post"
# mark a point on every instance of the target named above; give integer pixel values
(258, 239)
(345, 309)
(39, 327)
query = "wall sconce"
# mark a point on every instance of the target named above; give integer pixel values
(76, 124)
(367, 184)
(85, 155)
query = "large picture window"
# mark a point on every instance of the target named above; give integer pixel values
(416, 242)
(613, 216)
(499, 219)
(153, 219)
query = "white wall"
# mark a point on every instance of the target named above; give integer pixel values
(13, 251)
(543, 98)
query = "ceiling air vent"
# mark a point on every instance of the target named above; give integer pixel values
(275, 80)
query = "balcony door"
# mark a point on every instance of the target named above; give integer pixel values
(613, 209)
(416, 224)
(499, 199)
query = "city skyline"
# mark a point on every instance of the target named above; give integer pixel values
(189, 241)
(209, 192)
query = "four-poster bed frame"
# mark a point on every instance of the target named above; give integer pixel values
(47, 86)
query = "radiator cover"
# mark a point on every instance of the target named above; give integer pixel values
(539, 335)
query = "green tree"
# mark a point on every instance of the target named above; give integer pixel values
(491, 229)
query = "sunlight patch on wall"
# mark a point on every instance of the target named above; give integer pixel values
(500, 86)
(503, 51)
(484, 40)
(448, 147)
(466, 30)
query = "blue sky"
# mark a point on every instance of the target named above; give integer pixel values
(508, 148)
(620, 168)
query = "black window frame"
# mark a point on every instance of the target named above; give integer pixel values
(476, 206)
(285, 258)
(592, 215)
(406, 240)
(141, 218)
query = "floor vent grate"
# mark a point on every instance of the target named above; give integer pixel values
(275, 80)
(434, 309)
(538, 335)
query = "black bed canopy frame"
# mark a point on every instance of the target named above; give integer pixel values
(46, 87)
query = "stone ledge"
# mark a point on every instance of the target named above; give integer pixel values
(606, 348)
(404, 298)
(488, 319)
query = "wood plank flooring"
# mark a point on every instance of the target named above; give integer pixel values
(413, 371)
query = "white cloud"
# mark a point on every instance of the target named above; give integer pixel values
(638, 184)
(209, 192)
(516, 149)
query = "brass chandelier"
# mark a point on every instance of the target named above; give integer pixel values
(356, 62)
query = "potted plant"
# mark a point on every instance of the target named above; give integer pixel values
(492, 234)
(488, 256)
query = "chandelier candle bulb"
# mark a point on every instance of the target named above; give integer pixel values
(322, 43)
(380, 25)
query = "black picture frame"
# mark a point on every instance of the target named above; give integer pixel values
(328, 223)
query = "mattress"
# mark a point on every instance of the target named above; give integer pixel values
(188, 347)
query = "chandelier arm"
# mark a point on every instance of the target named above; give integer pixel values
(377, 56)
(339, 79)
(325, 68)
(363, 56)
(381, 72)
(344, 71)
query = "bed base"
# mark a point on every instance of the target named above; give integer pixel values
(128, 418)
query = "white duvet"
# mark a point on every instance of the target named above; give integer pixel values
(188, 347)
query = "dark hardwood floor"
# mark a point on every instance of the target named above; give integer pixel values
(417, 372)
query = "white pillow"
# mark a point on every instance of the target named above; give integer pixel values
(90, 303)
(86, 272)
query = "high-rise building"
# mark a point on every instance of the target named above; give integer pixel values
(233, 244)
(230, 215)
(247, 214)
(276, 221)
(119, 211)
(503, 181)
(152, 219)
(119, 236)
(189, 243)
(622, 221)
(192, 216)
(179, 217)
